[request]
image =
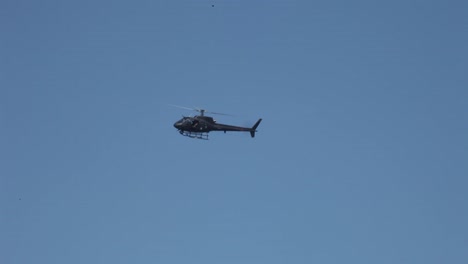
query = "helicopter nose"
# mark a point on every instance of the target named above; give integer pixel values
(177, 125)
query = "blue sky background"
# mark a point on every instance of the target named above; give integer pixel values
(361, 156)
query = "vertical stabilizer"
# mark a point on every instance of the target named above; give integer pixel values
(254, 128)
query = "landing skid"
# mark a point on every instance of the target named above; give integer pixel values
(197, 135)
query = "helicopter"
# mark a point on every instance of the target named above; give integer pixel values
(200, 125)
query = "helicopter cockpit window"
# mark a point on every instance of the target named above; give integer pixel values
(186, 121)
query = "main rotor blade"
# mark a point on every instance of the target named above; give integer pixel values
(200, 110)
(209, 112)
(183, 107)
(215, 113)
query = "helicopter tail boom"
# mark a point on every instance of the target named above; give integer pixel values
(254, 128)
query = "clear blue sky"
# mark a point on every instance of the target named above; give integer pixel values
(362, 156)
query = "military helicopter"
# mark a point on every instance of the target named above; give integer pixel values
(200, 125)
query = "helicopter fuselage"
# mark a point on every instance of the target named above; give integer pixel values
(205, 124)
